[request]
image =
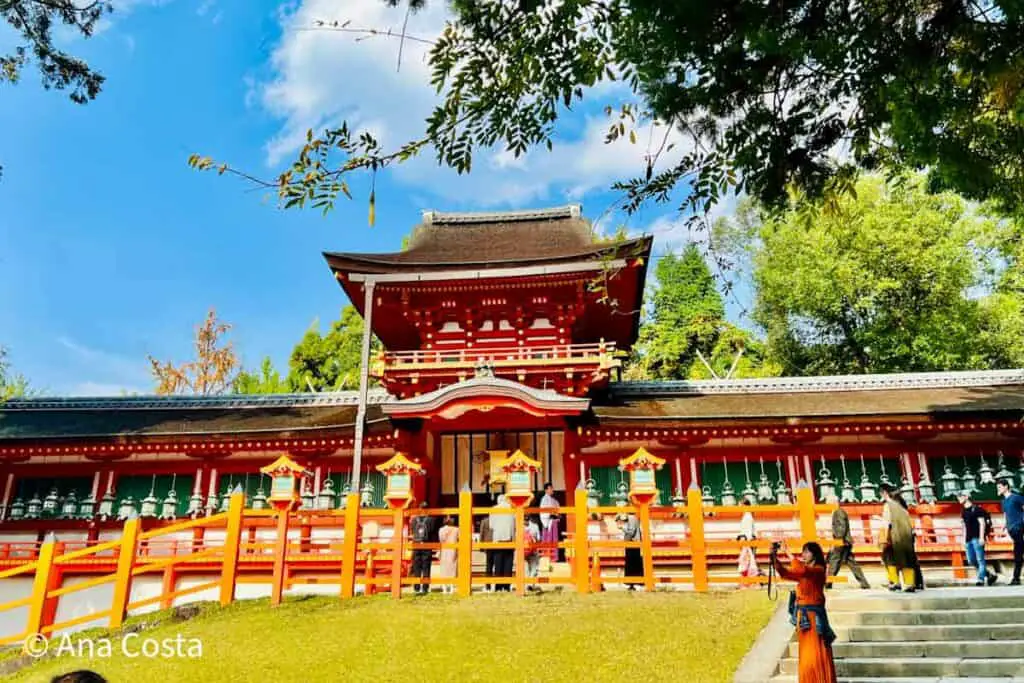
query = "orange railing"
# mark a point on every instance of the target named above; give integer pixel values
(500, 356)
(687, 542)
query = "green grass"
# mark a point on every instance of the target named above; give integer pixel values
(664, 636)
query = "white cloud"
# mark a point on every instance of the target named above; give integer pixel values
(104, 373)
(322, 77)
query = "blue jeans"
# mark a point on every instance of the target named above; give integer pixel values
(976, 556)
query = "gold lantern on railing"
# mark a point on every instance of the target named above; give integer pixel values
(399, 470)
(641, 465)
(285, 475)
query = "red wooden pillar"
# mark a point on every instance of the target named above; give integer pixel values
(571, 459)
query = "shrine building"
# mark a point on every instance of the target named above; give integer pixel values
(505, 331)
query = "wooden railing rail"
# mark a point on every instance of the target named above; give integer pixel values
(275, 548)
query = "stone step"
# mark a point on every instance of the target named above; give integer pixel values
(936, 667)
(935, 617)
(948, 599)
(874, 634)
(989, 649)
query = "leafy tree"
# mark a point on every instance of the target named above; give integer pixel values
(767, 95)
(896, 279)
(686, 322)
(211, 372)
(266, 381)
(330, 362)
(34, 20)
(11, 385)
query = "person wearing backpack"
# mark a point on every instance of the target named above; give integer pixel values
(421, 529)
(977, 528)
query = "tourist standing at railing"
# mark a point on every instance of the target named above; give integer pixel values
(422, 530)
(487, 537)
(977, 527)
(549, 521)
(1013, 509)
(897, 542)
(503, 527)
(843, 553)
(533, 537)
(634, 556)
(449, 557)
(807, 613)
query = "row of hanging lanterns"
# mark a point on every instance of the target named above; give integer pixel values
(55, 506)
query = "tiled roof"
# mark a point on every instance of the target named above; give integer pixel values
(938, 394)
(492, 239)
(172, 416)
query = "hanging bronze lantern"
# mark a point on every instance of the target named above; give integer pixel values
(34, 508)
(728, 494)
(847, 494)
(949, 481)
(150, 503)
(169, 506)
(195, 505)
(706, 497)
(1003, 473)
(107, 503)
(366, 495)
(127, 509)
(87, 507)
(907, 492)
(826, 485)
(986, 475)
(326, 499)
(345, 491)
(51, 504)
(782, 492)
(967, 480)
(17, 510)
(69, 508)
(868, 491)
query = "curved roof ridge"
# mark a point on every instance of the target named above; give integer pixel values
(237, 401)
(431, 217)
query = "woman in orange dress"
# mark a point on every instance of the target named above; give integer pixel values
(807, 613)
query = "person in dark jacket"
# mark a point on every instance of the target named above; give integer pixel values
(1013, 509)
(843, 554)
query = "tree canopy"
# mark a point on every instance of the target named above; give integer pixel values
(686, 331)
(34, 22)
(319, 362)
(11, 385)
(893, 280)
(213, 369)
(767, 95)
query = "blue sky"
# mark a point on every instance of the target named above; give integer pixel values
(111, 248)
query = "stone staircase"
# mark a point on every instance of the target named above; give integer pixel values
(939, 635)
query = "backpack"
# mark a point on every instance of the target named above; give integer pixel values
(421, 529)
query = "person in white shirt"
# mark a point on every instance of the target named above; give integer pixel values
(549, 521)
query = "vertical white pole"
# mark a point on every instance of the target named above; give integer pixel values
(693, 472)
(679, 475)
(95, 485)
(364, 382)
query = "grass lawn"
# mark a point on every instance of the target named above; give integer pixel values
(664, 636)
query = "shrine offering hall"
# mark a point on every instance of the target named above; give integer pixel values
(505, 332)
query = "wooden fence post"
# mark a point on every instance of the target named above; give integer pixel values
(808, 517)
(581, 541)
(350, 546)
(698, 544)
(280, 555)
(465, 558)
(647, 545)
(232, 539)
(398, 552)
(40, 586)
(520, 550)
(123, 580)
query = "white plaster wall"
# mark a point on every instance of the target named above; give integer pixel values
(12, 621)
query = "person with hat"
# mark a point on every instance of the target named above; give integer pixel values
(897, 541)
(977, 526)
